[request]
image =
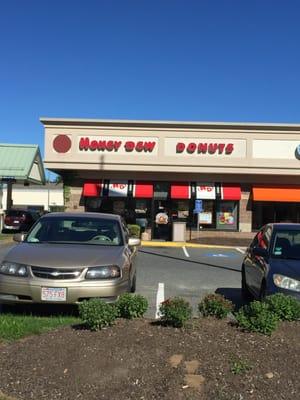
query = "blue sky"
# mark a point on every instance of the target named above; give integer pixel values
(205, 60)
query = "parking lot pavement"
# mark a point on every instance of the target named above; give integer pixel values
(190, 273)
(187, 272)
(4, 247)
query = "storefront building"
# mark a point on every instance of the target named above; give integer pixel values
(213, 176)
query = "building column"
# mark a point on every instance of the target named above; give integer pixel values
(246, 211)
(73, 199)
(9, 201)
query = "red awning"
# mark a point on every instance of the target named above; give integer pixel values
(143, 190)
(180, 191)
(92, 189)
(230, 191)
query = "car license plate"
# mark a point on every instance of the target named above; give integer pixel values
(54, 294)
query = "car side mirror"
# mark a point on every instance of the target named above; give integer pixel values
(260, 252)
(19, 237)
(132, 241)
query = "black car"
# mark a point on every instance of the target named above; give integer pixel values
(19, 220)
(272, 262)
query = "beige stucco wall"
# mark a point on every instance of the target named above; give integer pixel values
(261, 154)
(258, 149)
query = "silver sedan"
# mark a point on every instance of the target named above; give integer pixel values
(70, 257)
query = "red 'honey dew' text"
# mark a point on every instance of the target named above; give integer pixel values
(114, 145)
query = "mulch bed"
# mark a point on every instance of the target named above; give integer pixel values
(142, 360)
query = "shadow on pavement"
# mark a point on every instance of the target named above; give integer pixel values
(234, 295)
(40, 310)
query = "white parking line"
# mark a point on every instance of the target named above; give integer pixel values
(240, 250)
(185, 251)
(160, 297)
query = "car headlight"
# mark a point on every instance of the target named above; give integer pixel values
(105, 272)
(10, 268)
(285, 282)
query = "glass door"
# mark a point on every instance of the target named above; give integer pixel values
(161, 220)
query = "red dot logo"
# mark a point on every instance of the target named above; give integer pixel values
(62, 144)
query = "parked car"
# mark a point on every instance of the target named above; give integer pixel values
(19, 220)
(272, 262)
(67, 258)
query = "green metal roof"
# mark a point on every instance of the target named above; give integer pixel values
(21, 162)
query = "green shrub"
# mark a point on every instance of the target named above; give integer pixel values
(134, 231)
(285, 307)
(257, 317)
(175, 312)
(131, 305)
(97, 314)
(215, 305)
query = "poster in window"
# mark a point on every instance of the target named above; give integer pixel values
(205, 218)
(226, 218)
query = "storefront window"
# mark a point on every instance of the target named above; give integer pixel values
(267, 212)
(180, 210)
(92, 204)
(207, 217)
(119, 207)
(161, 190)
(143, 213)
(226, 216)
(114, 206)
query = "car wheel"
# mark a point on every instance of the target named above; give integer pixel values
(133, 284)
(246, 294)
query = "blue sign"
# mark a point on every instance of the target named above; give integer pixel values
(198, 206)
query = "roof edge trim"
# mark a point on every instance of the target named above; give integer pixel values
(181, 124)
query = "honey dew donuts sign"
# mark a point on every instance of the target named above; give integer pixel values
(118, 145)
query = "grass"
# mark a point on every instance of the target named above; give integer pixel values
(13, 327)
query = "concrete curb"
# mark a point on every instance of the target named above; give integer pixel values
(165, 244)
(186, 244)
(5, 241)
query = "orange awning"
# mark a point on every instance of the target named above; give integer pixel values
(284, 194)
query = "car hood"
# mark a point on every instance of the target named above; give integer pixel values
(65, 255)
(286, 267)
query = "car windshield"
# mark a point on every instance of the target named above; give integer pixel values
(76, 230)
(286, 244)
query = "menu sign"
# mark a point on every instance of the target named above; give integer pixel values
(205, 191)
